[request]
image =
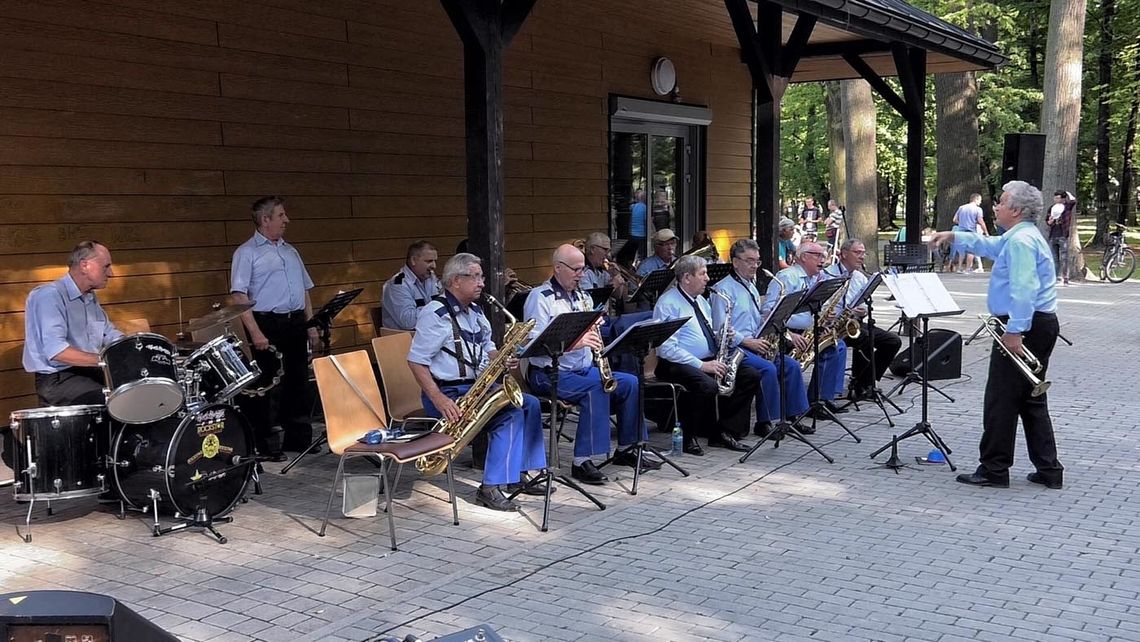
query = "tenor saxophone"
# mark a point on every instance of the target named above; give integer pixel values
(726, 354)
(829, 334)
(484, 400)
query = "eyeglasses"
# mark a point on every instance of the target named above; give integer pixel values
(748, 262)
(478, 278)
(575, 270)
(600, 247)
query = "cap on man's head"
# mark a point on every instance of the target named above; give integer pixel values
(786, 222)
(663, 236)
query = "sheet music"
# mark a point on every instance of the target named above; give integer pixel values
(921, 294)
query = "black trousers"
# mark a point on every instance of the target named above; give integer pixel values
(887, 345)
(1007, 398)
(289, 404)
(698, 406)
(71, 387)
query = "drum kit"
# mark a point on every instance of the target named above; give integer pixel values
(167, 440)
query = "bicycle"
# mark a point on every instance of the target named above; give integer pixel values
(1119, 262)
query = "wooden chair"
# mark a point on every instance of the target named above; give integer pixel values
(399, 386)
(376, 312)
(654, 385)
(353, 406)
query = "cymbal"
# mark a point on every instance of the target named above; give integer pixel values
(219, 316)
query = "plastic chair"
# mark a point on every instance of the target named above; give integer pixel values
(353, 406)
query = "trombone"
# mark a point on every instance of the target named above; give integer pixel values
(1026, 362)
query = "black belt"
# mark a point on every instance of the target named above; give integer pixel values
(452, 382)
(288, 316)
(1036, 315)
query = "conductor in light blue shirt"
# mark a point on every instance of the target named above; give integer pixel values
(1023, 297)
(65, 330)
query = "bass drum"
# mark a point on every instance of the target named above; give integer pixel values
(167, 457)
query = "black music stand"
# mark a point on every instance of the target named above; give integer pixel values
(564, 330)
(599, 297)
(865, 297)
(717, 272)
(923, 299)
(322, 319)
(653, 285)
(776, 323)
(637, 340)
(813, 302)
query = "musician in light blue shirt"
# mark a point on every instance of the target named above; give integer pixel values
(832, 361)
(410, 289)
(451, 348)
(664, 250)
(65, 330)
(579, 381)
(689, 358)
(1021, 295)
(740, 287)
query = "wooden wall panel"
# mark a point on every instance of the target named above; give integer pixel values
(152, 124)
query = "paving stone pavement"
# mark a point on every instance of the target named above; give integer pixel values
(783, 547)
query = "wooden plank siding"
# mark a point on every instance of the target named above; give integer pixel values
(152, 124)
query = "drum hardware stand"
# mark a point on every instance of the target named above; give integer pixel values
(200, 519)
(638, 341)
(782, 427)
(813, 302)
(562, 332)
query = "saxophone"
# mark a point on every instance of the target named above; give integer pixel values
(829, 333)
(484, 400)
(609, 384)
(726, 354)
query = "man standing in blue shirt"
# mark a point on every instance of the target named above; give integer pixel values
(65, 330)
(1021, 294)
(406, 293)
(269, 273)
(966, 220)
(638, 222)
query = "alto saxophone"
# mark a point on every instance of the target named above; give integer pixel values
(829, 333)
(484, 400)
(726, 354)
(773, 348)
(609, 383)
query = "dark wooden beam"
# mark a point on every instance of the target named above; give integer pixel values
(910, 63)
(486, 28)
(797, 41)
(750, 46)
(839, 49)
(878, 84)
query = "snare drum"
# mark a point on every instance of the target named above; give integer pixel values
(217, 371)
(60, 452)
(142, 379)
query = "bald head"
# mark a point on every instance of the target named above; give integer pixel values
(568, 265)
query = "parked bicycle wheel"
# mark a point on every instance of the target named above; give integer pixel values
(1121, 266)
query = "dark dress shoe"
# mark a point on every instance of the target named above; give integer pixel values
(588, 473)
(978, 479)
(806, 428)
(726, 440)
(1047, 482)
(628, 458)
(693, 447)
(762, 428)
(492, 497)
(276, 457)
(838, 410)
(526, 488)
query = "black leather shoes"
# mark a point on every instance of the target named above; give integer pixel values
(978, 479)
(526, 488)
(806, 428)
(838, 410)
(629, 458)
(693, 447)
(588, 473)
(1047, 482)
(726, 440)
(492, 497)
(762, 428)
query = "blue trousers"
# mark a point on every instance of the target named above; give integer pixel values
(832, 364)
(584, 388)
(514, 438)
(768, 396)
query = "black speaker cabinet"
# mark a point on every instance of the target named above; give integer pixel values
(945, 356)
(1023, 159)
(73, 616)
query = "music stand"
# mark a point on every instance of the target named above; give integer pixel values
(638, 340)
(653, 285)
(564, 330)
(322, 319)
(717, 272)
(865, 298)
(813, 302)
(922, 296)
(598, 296)
(776, 323)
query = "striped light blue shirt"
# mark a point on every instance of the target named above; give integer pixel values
(1023, 277)
(271, 274)
(58, 316)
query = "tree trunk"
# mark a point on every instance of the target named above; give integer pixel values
(1104, 64)
(862, 166)
(838, 144)
(1127, 172)
(886, 202)
(956, 133)
(1061, 108)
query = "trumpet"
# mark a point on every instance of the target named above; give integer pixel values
(609, 383)
(629, 274)
(1029, 365)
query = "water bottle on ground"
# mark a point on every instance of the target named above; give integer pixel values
(678, 440)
